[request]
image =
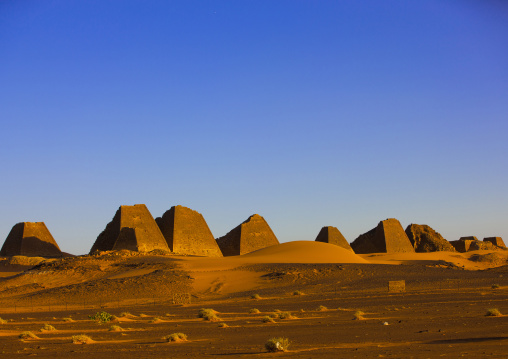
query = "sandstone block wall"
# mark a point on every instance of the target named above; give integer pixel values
(31, 239)
(143, 234)
(425, 239)
(249, 236)
(387, 237)
(332, 235)
(186, 232)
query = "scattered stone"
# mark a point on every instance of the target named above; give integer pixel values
(387, 237)
(425, 239)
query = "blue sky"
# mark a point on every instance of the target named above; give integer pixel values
(310, 113)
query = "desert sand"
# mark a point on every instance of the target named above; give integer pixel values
(440, 314)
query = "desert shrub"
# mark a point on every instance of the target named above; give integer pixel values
(493, 312)
(297, 292)
(277, 344)
(68, 320)
(48, 328)
(101, 317)
(156, 320)
(175, 337)
(322, 308)
(255, 296)
(358, 315)
(3, 321)
(223, 325)
(208, 314)
(27, 336)
(285, 315)
(126, 315)
(254, 311)
(274, 315)
(113, 318)
(115, 328)
(495, 286)
(267, 319)
(81, 339)
(142, 315)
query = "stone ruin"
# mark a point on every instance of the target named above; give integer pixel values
(387, 237)
(333, 236)
(425, 239)
(186, 232)
(497, 241)
(30, 239)
(471, 243)
(132, 228)
(249, 236)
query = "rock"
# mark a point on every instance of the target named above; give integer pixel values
(30, 239)
(251, 235)
(425, 239)
(387, 237)
(333, 236)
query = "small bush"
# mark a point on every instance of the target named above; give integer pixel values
(127, 315)
(208, 314)
(255, 296)
(493, 312)
(297, 292)
(47, 328)
(175, 337)
(223, 325)
(115, 328)
(27, 336)
(81, 339)
(68, 320)
(277, 344)
(495, 286)
(156, 320)
(267, 319)
(285, 315)
(254, 311)
(3, 321)
(358, 315)
(101, 317)
(322, 308)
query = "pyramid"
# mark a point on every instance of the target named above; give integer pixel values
(333, 236)
(425, 239)
(387, 237)
(471, 243)
(186, 232)
(497, 241)
(249, 236)
(133, 228)
(31, 239)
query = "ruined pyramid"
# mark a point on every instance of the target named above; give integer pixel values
(497, 241)
(186, 232)
(387, 237)
(132, 228)
(251, 235)
(31, 239)
(425, 239)
(333, 236)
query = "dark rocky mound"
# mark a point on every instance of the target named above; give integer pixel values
(425, 239)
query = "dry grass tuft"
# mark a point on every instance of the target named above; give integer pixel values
(286, 315)
(81, 339)
(495, 286)
(223, 325)
(254, 311)
(208, 314)
(27, 336)
(175, 337)
(277, 345)
(115, 328)
(47, 328)
(255, 296)
(297, 292)
(127, 315)
(493, 312)
(322, 308)
(358, 315)
(267, 319)
(156, 320)
(3, 321)
(68, 320)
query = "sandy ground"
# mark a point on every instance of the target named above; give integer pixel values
(441, 313)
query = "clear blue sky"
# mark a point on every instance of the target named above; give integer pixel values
(310, 113)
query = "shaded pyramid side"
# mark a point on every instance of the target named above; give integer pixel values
(186, 232)
(332, 235)
(145, 233)
(425, 239)
(31, 239)
(387, 237)
(251, 235)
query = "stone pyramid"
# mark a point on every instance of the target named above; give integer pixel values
(425, 239)
(387, 237)
(31, 239)
(497, 241)
(186, 232)
(133, 228)
(249, 236)
(333, 236)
